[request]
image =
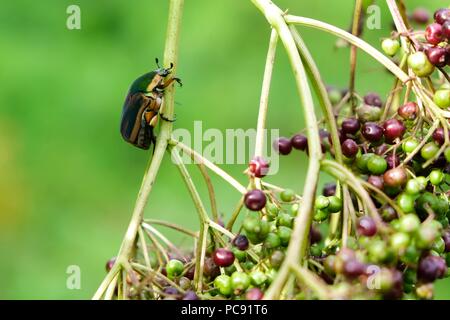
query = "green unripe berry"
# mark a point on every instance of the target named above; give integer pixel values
(409, 223)
(335, 204)
(258, 278)
(420, 64)
(174, 268)
(287, 195)
(410, 144)
(321, 215)
(390, 46)
(429, 150)
(399, 242)
(442, 98)
(272, 241)
(239, 254)
(447, 154)
(377, 165)
(285, 219)
(272, 210)
(426, 235)
(293, 210)
(436, 177)
(406, 202)
(321, 202)
(438, 245)
(223, 284)
(239, 282)
(413, 187)
(285, 235)
(361, 162)
(276, 258)
(335, 96)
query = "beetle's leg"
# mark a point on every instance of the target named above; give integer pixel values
(170, 81)
(167, 119)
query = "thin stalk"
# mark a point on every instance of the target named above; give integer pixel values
(172, 226)
(353, 49)
(211, 192)
(310, 280)
(299, 240)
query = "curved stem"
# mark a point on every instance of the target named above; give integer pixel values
(298, 244)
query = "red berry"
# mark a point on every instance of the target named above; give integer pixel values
(367, 227)
(241, 242)
(372, 132)
(223, 257)
(393, 129)
(353, 268)
(408, 111)
(258, 167)
(255, 200)
(433, 33)
(439, 136)
(446, 30)
(351, 126)
(392, 161)
(420, 15)
(373, 99)
(349, 148)
(110, 264)
(437, 56)
(431, 268)
(299, 142)
(283, 146)
(254, 294)
(442, 15)
(395, 177)
(376, 181)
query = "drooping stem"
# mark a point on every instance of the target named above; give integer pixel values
(299, 240)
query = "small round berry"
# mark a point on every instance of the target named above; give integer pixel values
(350, 126)
(367, 227)
(210, 269)
(350, 148)
(433, 33)
(388, 213)
(446, 30)
(410, 144)
(420, 16)
(381, 149)
(110, 263)
(334, 94)
(315, 236)
(420, 64)
(223, 257)
(413, 187)
(372, 132)
(254, 294)
(439, 136)
(446, 238)
(190, 295)
(174, 268)
(408, 111)
(335, 204)
(442, 98)
(377, 165)
(329, 189)
(406, 202)
(241, 242)
(442, 15)
(299, 142)
(239, 282)
(392, 161)
(393, 129)
(409, 223)
(283, 146)
(353, 268)
(431, 268)
(395, 177)
(258, 167)
(255, 200)
(223, 284)
(436, 177)
(429, 150)
(390, 46)
(373, 99)
(285, 235)
(399, 241)
(287, 195)
(376, 181)
(437, 56)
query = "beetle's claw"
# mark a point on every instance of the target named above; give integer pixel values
(167, 119)
(178, 80)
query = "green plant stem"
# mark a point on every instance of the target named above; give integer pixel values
(172, 226)
(170, 56)
(299, 240)
(391, 66)
(353, 49)
(310, 280)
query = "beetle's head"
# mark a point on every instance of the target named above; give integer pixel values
(163, 72)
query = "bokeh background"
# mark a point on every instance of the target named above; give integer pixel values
(68, 181)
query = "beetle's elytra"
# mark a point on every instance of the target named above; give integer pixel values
(142, 104)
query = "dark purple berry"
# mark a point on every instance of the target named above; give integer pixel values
(446, 30)
(393, 129)
(373, 99)
(349, 148)
(211, 269)
(171, 291)
(392, 161)
(329, 189)
(408, 111)
(442, 15)
(351, 126)
(431, 268)
(223, 257)
(353, 268)
(314, 235)
(376, 181)
(446, 238)
(283, 146)
(381, 149)
(420, 16)
(367, 227)
(299, 142)
(258, 167)
(372, 132)
(241, 242)
(190, 295)
(110, 264)
(433, 33)
(255, 200)
(437, 56)
(439, 136)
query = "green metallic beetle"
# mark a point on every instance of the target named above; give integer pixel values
(141, 108)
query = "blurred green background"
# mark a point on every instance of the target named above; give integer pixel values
(68, 181)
